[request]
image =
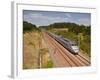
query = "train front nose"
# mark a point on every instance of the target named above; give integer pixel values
(75, 49)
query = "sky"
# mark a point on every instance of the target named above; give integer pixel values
(43, 18)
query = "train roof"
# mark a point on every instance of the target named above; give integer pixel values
(66, 39)
(70, 41)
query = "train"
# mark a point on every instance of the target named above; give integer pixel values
(70, 45)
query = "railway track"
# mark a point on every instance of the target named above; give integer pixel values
(62, 60)
(70, 59)
(83, 59)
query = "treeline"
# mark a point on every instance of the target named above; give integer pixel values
(29, 27)
(72, 27)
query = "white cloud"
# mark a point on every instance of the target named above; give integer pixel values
(49, 18)
(40, 19)
(68, 15)
(85, 21)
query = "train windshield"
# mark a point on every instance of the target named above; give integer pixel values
(74, 44)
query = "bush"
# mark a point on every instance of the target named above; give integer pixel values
(28, 26)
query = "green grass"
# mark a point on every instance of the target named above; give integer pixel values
(49, 64)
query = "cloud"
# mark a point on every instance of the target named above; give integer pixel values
(40, 18)
(85, 21)
(68, 15)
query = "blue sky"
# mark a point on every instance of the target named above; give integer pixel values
(41, 18)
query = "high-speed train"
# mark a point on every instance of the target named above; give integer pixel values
(66, 43)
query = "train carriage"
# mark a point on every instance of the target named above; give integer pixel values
(66, 43)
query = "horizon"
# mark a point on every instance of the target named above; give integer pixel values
(58, 22)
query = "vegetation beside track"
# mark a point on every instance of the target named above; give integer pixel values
(35, 52)
(79, 33)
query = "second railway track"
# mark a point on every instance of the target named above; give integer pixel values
(71, 60)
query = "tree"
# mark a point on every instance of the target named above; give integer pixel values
(28, 26)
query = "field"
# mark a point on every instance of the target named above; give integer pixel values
(35, 51)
